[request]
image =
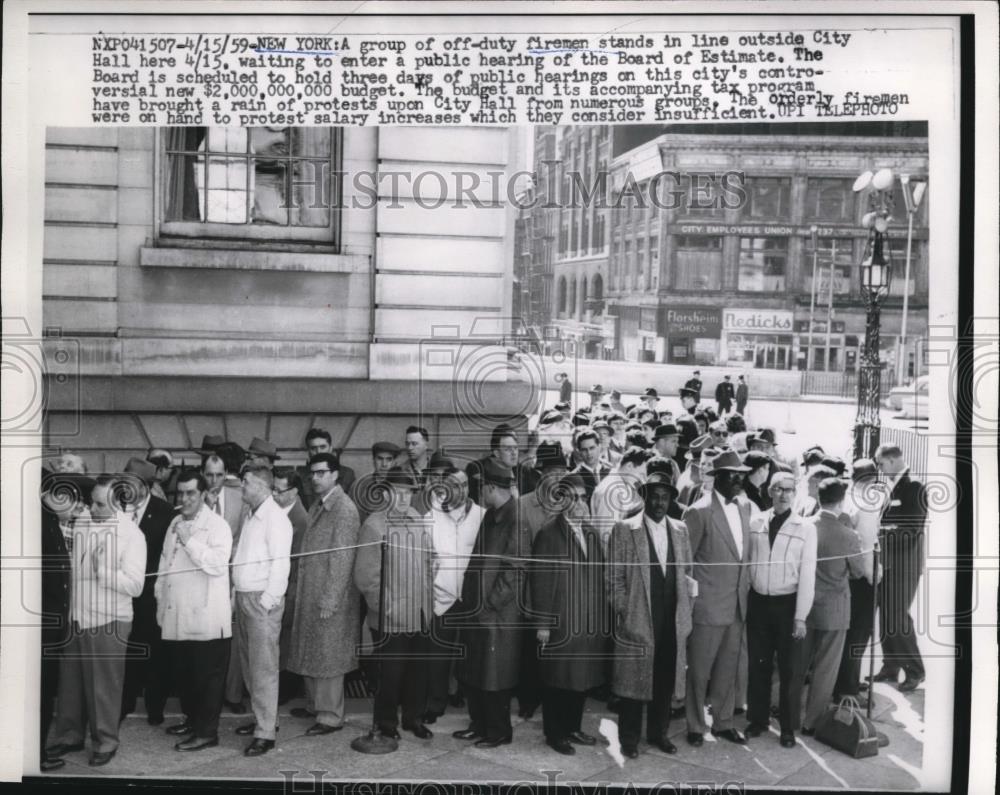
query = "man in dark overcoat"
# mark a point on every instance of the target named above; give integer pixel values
(327, 604)
(724, 395)
(494, 595)
(650, 585)
(903, 562)
(569, 605)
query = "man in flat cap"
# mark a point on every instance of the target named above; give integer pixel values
(569, 608)
(327, 605)
(368, 492)
(146, 670)
(719, 526)
(493, 595)
(650, 587)
(401, 635)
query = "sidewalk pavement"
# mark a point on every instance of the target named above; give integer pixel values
(147, 752)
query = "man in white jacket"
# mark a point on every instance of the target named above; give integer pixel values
(782, 588)
(108, 559)
(194, 612)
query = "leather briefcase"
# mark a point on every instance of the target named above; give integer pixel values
(846, 728)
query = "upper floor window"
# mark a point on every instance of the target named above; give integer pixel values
(830, 200)
(770, 197)
(253, 183)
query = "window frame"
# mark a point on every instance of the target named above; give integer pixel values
(784, 211)
(329, 236)
(764, 252)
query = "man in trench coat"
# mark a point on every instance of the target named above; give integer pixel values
(649, 579)
(569, 604)
(493, 621)
(327, 604)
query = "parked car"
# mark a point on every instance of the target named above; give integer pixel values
(914, 401)
(899, 394)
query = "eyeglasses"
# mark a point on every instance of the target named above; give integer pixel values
(316, 472)
(784, 490)
(282, 491)
(720, 433)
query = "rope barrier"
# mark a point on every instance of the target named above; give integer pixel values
(510, 558)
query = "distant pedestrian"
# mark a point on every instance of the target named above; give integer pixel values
(565, 388)
(694, 384)
(724, 394)
(742, 395)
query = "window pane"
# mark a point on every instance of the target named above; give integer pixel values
(311, 142)
(312, 193)
(269, 192)
(183, 198)
(762, 264)
(226, 192)
(227, 139)
(769, 197)
(838, 252)
(699, 269)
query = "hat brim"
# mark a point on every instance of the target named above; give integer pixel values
(729, 469)
(643, 487)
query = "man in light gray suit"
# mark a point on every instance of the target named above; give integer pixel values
(839, 557)
(719, 527)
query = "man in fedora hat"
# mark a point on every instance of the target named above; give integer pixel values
(596, 393)
(719, 526)
(146, 670)
(666, 439)
(209, 444)
(565, 389)
(615, 401)
(694, 384)
(402, 637)
(650, 588)
(262, 452)
(493, 595)
(569, 607)
(649, 398)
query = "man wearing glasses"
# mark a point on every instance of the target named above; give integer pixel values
(782, 585)
(327, 605)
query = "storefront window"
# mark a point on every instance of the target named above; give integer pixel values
(763, 263)
(699, 262)
(829, 200)
(702, 198)
(769, 197)
(767, 351)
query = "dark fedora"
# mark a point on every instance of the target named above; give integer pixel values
(661, 479)
(649, 392)
(667, 429)
(211, 443)
(728, 461)
(685, 392)
(762, 435)
(263, 447)
(397, 476)
(496, 474)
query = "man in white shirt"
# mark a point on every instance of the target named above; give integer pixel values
(260, 579)
(194, 612)
(108, 570)
(864, 506)
(455, 521)
(782, 584)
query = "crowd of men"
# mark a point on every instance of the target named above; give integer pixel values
(664, 562)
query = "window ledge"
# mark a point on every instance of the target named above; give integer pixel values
(228, 259)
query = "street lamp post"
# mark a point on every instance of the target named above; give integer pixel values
(876, 274)
(813, 232)
(912, 195)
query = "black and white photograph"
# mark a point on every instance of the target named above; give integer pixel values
(599, 453)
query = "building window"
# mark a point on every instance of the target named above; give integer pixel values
(763, 264)
(701, 198)
(562, 296)
(835, 252)
(829, 200)
(571, 309)
(613, 261)
(699, 262)
(256, 182)
(769, 197)
(640, 259)
(585, 233)
(600, 233)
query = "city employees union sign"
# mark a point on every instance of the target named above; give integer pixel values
(761, 321)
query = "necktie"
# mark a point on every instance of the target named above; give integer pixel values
(578, 534)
